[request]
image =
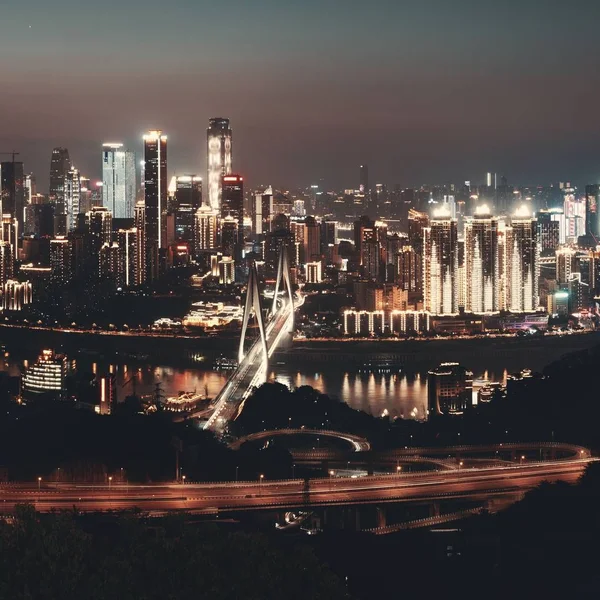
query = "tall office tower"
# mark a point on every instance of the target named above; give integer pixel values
(417, 221)
(72, 194)
(548, 231)
(187, 201)
(262, 212)
(522, 265)
(229, 236)
(12, 189)
(30, 188)
(207, 221)
(328, 234)
(7, 262)
(118, 180)
(363, 185)
(60, 261)
(99, 227)
(188, 190)
(155, 199)
(409, 270)
(481, 263)
(139, 220)
(567, 263)
(232, 205)
(364, 230)
(488, 180)
(60, 165)
(219, 140)
(128, 256)
(592, 211)
(440, 264)
(312, 240)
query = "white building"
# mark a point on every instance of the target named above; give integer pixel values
(118, 180)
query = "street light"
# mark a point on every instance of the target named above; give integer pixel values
(236, 473)
(39, 484)
(460, 464)
(398, 469)
(331, 474)
(522, 458)
(260, 478)
(109, 482)
(183, 480)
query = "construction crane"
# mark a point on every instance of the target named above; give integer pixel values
(13, 154)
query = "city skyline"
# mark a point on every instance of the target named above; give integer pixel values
(477, 96)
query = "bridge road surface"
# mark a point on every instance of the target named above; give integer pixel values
(250, 373)
(476, 483)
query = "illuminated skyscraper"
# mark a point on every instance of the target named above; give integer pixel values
(592, 211)
(482, 283)
(60, 261)
(155, 199)
(60, 165)
(139, 221)
(364, 179)
(440, 264)
(219, 140)
(187, 201)
(262, 212)
(118, 180)
(522, 265)
(128, 256)
(72, 195)
(232, 205)
(99, 226)
(206, 229)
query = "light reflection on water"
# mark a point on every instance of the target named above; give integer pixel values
(400, 394)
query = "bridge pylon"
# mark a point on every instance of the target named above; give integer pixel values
(254, 304)
(283, 279)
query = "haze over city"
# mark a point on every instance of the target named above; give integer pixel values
(421, 91)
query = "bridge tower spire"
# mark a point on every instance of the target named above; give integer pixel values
(283, 278)
(253, 303)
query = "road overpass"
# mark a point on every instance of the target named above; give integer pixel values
(477, 483)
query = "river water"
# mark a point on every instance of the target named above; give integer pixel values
(397, 394)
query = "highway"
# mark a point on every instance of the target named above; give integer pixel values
(472, 483)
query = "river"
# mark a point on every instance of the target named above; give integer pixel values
(398, 394)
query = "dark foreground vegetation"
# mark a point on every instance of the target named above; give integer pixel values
(66, 557)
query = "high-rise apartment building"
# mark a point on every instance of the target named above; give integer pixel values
(232, 205)
(440, 264)
(60, 261)
(155, 199)
(522, 266)
(118, 180)
(139, 221)
(72, 195)
(482, 263)
(99, 227)
(219, 142)
(127, 240)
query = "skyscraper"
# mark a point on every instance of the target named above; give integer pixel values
(262, 212)
(232, 205)
(187, 201)
(155, 199)
(440, 264)
(364, 179)
(219, 140)
(99, 226)
(592, 211)
(12, 189)
(206, 229)
(481, 263)
(60, 164)
(72, 194)
(118, 180)
(522, 266)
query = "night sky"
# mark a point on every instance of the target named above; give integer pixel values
(421, 91)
